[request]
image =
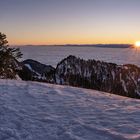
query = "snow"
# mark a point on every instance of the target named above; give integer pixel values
(123, 83)
(39, 111)
(38, 74)
(29, 67)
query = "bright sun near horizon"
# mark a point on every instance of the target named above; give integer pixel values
(137, 44)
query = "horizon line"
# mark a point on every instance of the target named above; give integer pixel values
(70, 44)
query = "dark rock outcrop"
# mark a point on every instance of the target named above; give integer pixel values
(108, 77)
(35, 71)
(123, 80)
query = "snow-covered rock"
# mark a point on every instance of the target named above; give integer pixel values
(39, 111)
(108, 77)
(92, 74)
(35, 71)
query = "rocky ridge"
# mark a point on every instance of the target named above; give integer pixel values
(109, 77)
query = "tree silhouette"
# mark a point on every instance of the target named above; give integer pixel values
(8, 58)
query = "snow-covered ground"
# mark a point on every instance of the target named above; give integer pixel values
(39, 111)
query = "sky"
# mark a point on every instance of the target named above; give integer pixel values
(41, 22)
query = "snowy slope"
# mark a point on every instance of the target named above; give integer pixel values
(39, 111)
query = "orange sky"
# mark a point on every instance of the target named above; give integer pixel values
(70, 22)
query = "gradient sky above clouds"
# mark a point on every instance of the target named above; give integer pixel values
(70, 21)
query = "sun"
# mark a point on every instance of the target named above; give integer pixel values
(137, 44)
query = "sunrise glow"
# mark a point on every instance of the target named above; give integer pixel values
(137, 44)
(70, 22)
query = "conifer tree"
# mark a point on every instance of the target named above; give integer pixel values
(8, 58)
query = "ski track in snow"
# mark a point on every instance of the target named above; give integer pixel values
(39, 111)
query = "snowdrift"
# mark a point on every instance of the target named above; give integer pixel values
(39, 111)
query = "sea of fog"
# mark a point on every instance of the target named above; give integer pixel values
(51, 55)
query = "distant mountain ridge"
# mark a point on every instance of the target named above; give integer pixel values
(103, 45)
(88, 45)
